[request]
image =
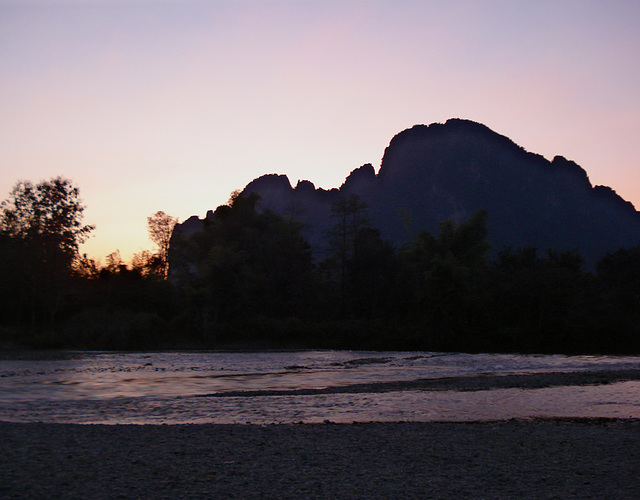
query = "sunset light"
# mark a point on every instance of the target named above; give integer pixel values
(171, 105)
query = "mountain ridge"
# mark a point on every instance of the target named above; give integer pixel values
(431, 173)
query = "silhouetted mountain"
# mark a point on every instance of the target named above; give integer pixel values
(448, 171)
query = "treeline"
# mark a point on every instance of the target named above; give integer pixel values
(249, 276)
(249, 279)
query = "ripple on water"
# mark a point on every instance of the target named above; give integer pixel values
(162, 387)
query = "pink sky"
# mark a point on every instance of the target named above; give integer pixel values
(171, 105)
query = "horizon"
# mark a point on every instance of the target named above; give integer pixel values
(173, 105)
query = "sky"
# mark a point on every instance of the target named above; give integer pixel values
(171, 105)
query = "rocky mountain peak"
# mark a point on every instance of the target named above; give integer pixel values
(430, 173)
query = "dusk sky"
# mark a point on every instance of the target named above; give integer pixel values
(171, 105)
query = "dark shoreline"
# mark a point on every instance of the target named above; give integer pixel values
(562, 458)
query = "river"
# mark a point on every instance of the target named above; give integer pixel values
(300, 386)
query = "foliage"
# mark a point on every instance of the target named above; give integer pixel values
(619, 305)
(350, 239)
(350, 216)
(147, 264)
(541, 303)
(247, 279)
(40, 229)
(445, 275)
(160, 226)
(245, 263)
(48, 214)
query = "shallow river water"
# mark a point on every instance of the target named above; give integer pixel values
(251, 387)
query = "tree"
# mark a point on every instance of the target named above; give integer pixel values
(145, 263)
(244, 264)
(444, 275)
(542, 303)
(160, 226)
(49, 213)
(370, 274)
(350, 216)
(42, 223)
(619, 283)
(114, 262)
(619, 273)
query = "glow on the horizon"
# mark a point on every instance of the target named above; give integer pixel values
(172, 105)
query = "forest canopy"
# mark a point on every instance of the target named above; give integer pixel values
(248, 279)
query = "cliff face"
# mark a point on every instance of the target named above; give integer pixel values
(448, 171)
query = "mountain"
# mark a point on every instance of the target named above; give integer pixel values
(447, 171)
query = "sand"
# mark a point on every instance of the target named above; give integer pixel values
(509, 459)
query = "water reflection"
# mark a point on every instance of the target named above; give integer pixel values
(167, 387)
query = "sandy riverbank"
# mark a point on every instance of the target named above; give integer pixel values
(513, 459)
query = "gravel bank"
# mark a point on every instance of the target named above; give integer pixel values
(512, 459)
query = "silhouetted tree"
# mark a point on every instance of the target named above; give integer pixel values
(541, 303)
(370, 276)
(619, 282)
(114, 262)
(350, 217)
(445, 277)
(148, 264)
(86, 268)
(619, 273)
(160, 226)
(42, 223)
(49, 213)
(243, 264)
